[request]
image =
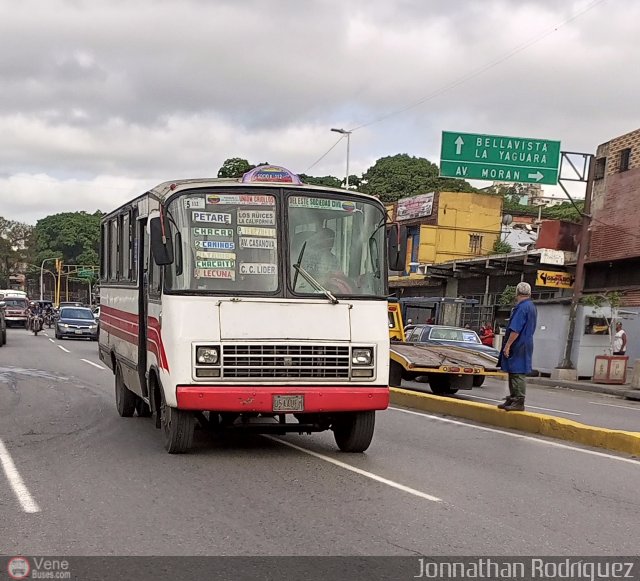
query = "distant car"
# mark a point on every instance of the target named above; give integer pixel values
(454, 336)
(16, 311)
(76, 322)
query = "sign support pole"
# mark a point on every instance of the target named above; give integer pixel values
(583, 249)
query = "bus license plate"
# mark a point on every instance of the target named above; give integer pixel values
(288, 403)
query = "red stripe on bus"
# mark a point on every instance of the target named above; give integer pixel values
(124, 315)
(154, 333)
(119, 323)
(125, 326)
(120, 333)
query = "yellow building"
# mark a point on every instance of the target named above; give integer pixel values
(446, 226)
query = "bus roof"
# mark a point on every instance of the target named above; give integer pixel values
(166, 189)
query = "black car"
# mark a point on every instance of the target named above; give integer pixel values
(76, 322)
(454, 336)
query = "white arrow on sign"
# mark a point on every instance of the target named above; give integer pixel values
(536, 176)
(459, 143)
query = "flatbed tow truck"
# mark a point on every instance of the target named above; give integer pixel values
(446, 368)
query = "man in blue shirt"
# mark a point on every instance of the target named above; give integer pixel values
(517, 349)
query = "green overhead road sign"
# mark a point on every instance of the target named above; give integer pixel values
(499, 158)
(85, 273)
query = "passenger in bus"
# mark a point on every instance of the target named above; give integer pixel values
(320, 259)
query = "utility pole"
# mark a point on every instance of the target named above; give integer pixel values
(348, 134)
(583, 249)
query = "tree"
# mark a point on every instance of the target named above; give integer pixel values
(402, 175)
(235, 167)
(15, 247)
(508, 296)
(501, 247)
(565, 211)
(326, 181)
(72, 236)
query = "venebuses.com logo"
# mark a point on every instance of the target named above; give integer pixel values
(38, 568)
(18, 568)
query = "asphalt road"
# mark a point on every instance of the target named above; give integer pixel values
(76, 479)
(594, 409)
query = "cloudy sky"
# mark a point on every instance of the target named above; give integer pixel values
(102, 99)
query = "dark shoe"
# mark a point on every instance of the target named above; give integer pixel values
(505, 403)
(515, 405)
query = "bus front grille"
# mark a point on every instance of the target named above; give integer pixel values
(285, 361)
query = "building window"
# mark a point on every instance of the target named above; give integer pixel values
(601, 164)
(625, 156)
(475, 243)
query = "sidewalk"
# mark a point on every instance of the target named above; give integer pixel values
(623, 391)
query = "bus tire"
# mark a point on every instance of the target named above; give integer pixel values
(177, 428)
(125, 399)
(395, 374)
(353, 432)
(440, 384)
(478, 380)
(142, 408)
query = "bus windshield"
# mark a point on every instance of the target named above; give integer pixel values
(235, 243)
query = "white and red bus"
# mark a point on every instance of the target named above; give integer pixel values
(257, 303)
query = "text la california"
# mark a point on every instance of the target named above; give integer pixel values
(535, 568)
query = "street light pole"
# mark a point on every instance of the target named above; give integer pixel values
(42, 276)
(348, 134)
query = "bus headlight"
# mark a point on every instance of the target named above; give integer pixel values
(362, 356)
(207, 355)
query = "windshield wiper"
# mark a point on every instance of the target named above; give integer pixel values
(312, 281)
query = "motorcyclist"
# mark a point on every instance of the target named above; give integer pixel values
(49, 314)
(34, 310)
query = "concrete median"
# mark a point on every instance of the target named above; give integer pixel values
(551, 426)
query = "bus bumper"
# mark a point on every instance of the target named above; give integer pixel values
(261, 399)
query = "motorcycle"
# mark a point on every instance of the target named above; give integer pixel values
(48, 319)
(36, 324)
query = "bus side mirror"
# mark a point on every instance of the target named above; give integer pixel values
(162, 249)
(397, 247)
(2, 305)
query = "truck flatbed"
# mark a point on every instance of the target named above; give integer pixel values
(442, 359)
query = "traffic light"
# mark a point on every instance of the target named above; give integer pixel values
(58, 265)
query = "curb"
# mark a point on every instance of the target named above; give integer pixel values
(594, 388)
(551, 426)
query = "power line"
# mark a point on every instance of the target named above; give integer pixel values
(324, 155)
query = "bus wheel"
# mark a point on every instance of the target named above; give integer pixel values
(142, 408)
(125, 399)
(177, 428)
(395, 374)
(354, 431)
(440, 384)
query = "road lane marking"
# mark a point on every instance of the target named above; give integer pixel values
(520, 436)
(528, 406)
(52, 340)
(370, 475)
(15, 481)
(92, 363)
(624, 407)
(65, 350)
